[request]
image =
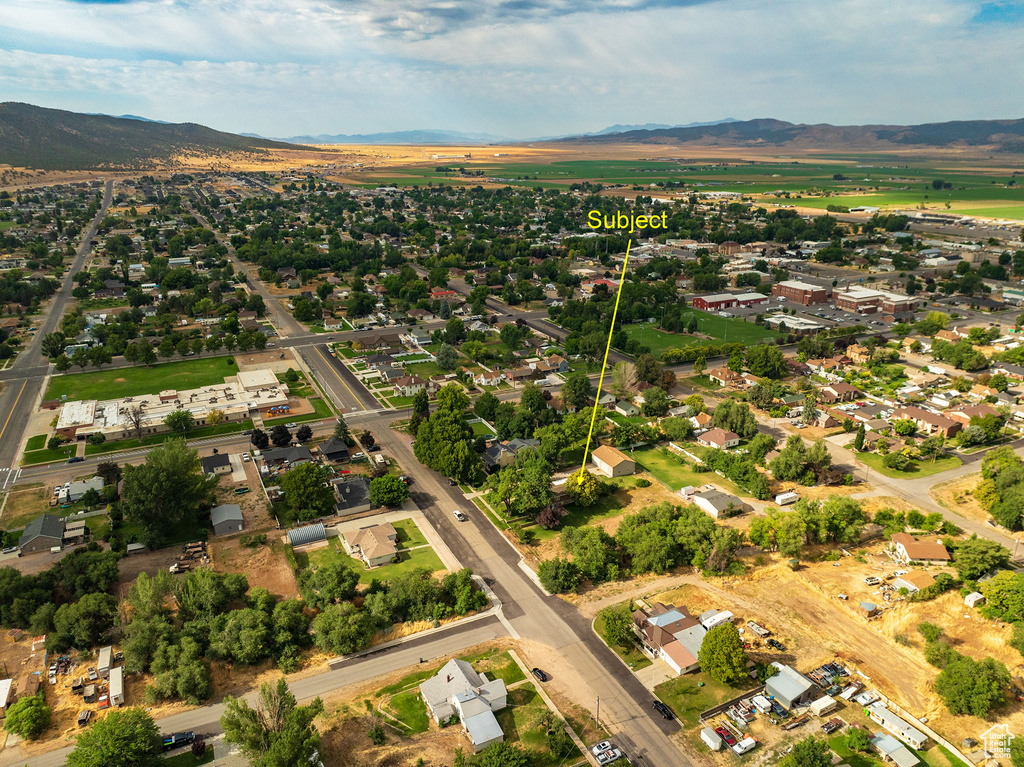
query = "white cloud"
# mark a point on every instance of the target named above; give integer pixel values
(519, 68)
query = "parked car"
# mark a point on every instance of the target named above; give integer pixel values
(84, 716)
(178, 739)
(539, 674)
(459, 515)
(776, 644)
(608, 757)
(662, 709)
(406, 479)
(604, 745)
(93, 676)
(245, 457)
(726, 736)
(10, 549)
(291, 425)
(831, 726)
(75, 459)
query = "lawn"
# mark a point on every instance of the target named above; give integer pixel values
(720, 329)
(424, 369)
(113, 446)
(33, 457)
(688, 700)
(481, 429)
(497, 665)
(410, 709)
(409, 533)
(523, 720)
(408, 561)
(662, 463)
(633, 656)
(400, 402)
(701, 381)
(37, 442)
(131, 382)
(918, 469)
(849, 756)
(188, 760)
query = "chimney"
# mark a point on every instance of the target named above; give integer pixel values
(448, 679)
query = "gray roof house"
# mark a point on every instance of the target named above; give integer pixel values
(216, 464)
(334, 449)
(291, 455)
(42, 533)
(893, 751)
(459, 689)
(79, 489)
(226, 518)
(789, 687)
(353, 495)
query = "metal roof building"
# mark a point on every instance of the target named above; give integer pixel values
(301, 536)
(789, 687)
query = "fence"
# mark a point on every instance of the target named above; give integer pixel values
(705, 715)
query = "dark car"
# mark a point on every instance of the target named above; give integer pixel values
(662, 709)
(75, 459)
(178, 739)
(539, 674)
(775, 643)
(373, 448)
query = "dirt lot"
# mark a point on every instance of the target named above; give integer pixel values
(25, 504)
(264, 565)
(957, 495)
(270, 359)
(255, 510)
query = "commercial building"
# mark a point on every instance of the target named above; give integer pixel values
(798, 292)
(714, 302)
(867, 301)
(235, 400)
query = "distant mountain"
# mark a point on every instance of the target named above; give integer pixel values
(999, 135)
(53, 139)
(399, 137)
(655, 126)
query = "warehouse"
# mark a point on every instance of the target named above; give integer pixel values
(800, 292)
(714, 302)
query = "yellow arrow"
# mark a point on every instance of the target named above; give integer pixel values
(604, 364)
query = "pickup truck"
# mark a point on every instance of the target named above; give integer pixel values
(178, 739)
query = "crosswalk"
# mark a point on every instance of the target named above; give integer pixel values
(9, 477)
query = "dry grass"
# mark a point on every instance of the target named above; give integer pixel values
(957, 495)
(24, 505)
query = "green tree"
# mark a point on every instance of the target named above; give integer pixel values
(174, 468)
(307, 492)
(180, 422)
(584, 488)
(973, 687)
(388, 490)
(722, 656)
(341, 430)
(577, 391)
(766, 361)
(277, 732)
(809, 752)
(655, 402)
(502, 754)
(486, 406)
(280, 435)
(343, 629)
(559, 576)
(327, 584)
(125, 738)
(28, 717)
(975, 557)
(618, 625)
(859, 740)
(447, 357)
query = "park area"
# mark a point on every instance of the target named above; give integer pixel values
(133, 381)
(711, 329)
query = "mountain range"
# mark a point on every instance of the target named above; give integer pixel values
(53, 139)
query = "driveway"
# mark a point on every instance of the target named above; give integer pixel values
(655, 674)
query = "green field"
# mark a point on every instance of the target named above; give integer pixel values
(918, 469)
(692, 694)
(131, 382)
(522, 720)
(409, 561)
(38, 442)
(663, 464)
(410, 709)
(33, 457)
(720, 329)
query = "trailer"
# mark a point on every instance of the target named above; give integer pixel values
(758, 629)
(784, 499)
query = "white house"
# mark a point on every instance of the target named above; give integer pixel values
(459, 689)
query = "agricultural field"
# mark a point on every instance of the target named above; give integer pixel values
(131, 382)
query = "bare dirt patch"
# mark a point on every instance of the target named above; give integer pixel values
(957, 495)
(264, 565)
(25, 505)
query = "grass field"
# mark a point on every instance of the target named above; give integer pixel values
(409, 561)
(661, 462)
(918, 469)
(688, 698)
(522, 720)
(38, 442)
(409, 533)
(34, 457)
(131, 382)
(410, 710)
(720, 329)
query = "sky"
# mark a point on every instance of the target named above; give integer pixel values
(514, 68)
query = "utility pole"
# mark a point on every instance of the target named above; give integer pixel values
(599, 709)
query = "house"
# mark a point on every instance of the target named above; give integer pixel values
(409, 386)
(226, 518)
(626, 409)
(789, 687)
(965, 413)
(906, 548)
(378, 361)
(927, 421)
(117, 686)
(718, 504)
(724, 377)
(216, 464)
(672, 634)
(457, 689)
(422, 315)
(497, 456)
(826, 421)
(859, 354)
(894, 752)
(701, 421)
(838, 392)
(293, 456)
(307, 535)
(376, 545)
(719, 438)
(879, 714)
(42, 534)
(353, 496)
(488, 378)
(559, 363)
(334, 449)
(913, 581)
(612, 462)
(78, 490)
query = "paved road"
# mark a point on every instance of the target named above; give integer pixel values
(341, 385)
(206, 720)
(25, 377)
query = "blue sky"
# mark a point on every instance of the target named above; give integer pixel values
(514, 68)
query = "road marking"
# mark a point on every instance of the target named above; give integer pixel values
(13, 408)
(336, 373)
(604, 365)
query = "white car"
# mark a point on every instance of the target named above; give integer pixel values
(459, 515)
(291, 425)
(609, 756)
(245, 457)
(604, 745)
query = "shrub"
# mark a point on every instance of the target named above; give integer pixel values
(642, 482)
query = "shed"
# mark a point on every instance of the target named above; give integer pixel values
(711, 738)
(226, 518)
(117, 686)
(869, 608)
(824, 705)
(39, 643)
(29, 685)
(103, 663)
(974, 599)
(135, 548)
(789, 687)
(13, 635)
(303, 536)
